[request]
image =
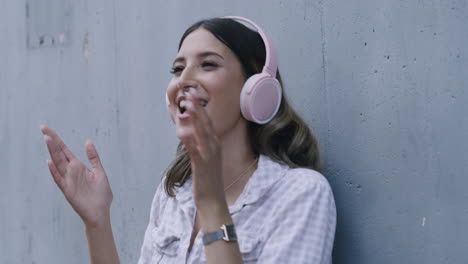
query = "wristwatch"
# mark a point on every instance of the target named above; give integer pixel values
(225, 232)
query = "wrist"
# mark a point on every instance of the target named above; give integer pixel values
(213, 207)
(213, 215)
(100, 223)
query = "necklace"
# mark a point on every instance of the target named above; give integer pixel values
(241, 175)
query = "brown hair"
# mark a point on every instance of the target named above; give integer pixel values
(286, 138)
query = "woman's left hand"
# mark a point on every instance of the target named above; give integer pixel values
(202, 145)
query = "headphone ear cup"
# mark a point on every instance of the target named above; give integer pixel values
(168, 104)
(260, 98)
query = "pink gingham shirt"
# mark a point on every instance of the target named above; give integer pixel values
(283, 215)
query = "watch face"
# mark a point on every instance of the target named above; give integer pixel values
(229, 232)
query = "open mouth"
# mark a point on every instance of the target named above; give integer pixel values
(184, 104)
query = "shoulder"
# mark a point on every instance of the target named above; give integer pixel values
(300, 192)
(300, 225)
(281, 183)
(302, 181)
(160, 194)
(303, 197)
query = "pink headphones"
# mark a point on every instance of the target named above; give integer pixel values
(260, 97)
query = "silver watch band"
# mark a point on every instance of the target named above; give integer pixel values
(225, 232)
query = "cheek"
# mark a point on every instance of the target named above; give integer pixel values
(171, 92)
(228, 87)
(170, 97)
(225, 107)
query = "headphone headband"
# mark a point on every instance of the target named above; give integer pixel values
(271, 64)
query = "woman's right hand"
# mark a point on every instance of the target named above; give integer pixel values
(86, 189)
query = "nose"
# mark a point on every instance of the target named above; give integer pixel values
(187, 79)
(185, 85)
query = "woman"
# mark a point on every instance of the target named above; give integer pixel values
(238, 191)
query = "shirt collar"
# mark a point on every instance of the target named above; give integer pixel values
(268, 172)
(184, 193)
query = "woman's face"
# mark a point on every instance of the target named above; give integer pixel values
(212, 69)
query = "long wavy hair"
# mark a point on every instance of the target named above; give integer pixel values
(286, 138)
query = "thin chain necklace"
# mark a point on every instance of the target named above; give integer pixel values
(241, 175)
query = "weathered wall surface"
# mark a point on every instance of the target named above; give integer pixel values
(382, 84)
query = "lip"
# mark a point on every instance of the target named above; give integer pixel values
(180, 98)
(184, 97)
(183, 116)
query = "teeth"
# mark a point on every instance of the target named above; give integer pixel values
(183, 104)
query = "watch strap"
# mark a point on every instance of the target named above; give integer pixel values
(225, 232)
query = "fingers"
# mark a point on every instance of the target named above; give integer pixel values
(59, 152)
(57, 155)
(93, 156)
(56, 149)
(204, 134)
(58, 141)
(55, 174)
(192, 149)
(200, 113)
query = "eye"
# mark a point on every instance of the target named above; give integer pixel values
(176, 69)
(209, 64)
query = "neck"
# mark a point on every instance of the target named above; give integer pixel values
(237, 156)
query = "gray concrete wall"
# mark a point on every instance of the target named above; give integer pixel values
(382, 84)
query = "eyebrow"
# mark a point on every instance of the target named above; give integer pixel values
(200, 55)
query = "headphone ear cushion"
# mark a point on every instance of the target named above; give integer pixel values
(260, 98)
(168, 108)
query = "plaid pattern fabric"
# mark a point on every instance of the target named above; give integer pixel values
(283, 215)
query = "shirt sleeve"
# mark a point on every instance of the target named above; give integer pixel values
(303, 226)
(146, 251)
